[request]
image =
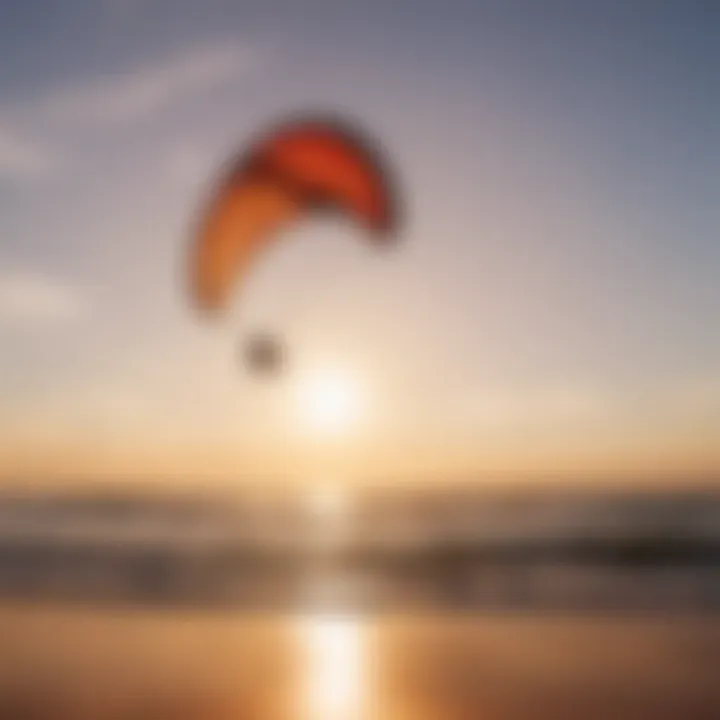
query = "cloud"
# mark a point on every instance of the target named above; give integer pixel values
(21, 157)
(121, 98)
(35, 299)
(112, 101)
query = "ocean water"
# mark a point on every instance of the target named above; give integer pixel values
(449, 605)
(411, 551)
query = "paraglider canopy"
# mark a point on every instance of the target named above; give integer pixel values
(299, 167)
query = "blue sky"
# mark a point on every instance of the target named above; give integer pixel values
(555, 304)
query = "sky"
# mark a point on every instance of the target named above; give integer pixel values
(553, 308)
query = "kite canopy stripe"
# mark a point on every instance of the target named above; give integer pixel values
(301, 167)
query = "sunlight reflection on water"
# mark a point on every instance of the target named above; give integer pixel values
(335, 660)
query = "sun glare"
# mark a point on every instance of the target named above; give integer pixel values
(329, 403)
(334, 668)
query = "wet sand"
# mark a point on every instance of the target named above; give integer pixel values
(96, 663)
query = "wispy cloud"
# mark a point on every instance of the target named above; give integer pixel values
(136, 93)
(21, 157)
(111, 101)
(31, 298)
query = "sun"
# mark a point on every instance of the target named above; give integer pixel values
(329, 402)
